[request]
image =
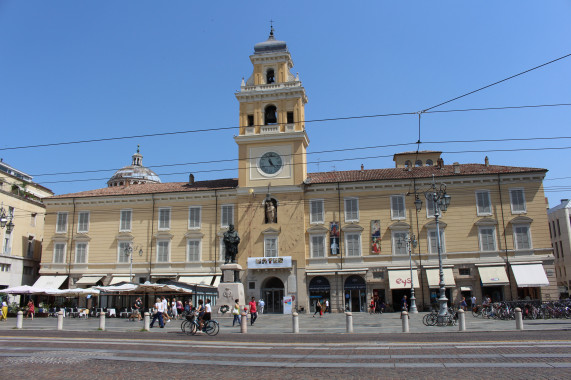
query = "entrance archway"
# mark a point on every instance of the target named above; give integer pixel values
(355, 294)
(319, 289)
(273, 295)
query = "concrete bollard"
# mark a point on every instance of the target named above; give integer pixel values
(147, 321)
(404, 317)
(60, 320)
(19, 319)
(349, 321)
(518, 319)
(295, 322)
(461, 320)
(102, 321)
(244, 323)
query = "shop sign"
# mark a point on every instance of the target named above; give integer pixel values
(269, 262)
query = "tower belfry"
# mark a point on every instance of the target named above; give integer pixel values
(272, 139)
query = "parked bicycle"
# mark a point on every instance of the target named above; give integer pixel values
(191, 325)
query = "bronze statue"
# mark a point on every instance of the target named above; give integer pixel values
(231, 241)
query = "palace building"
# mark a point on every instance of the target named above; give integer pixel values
(338, 235)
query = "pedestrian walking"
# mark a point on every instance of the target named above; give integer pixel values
(166, 309)
(261, 305)
(327, 308)
(236, 313)
(404, 303)
(31, 310)
(159, 311)
(174, 309)
(463, 305)
(253, 311)
(473, 301)
(318, 309)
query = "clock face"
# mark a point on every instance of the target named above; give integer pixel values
(270, 163)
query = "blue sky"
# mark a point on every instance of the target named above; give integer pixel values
(81, 70)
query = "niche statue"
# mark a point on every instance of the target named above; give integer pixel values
(231, 241)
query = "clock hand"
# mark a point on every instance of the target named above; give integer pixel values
(270, 161)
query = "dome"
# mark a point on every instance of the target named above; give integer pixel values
(134, 174)
(271, 45)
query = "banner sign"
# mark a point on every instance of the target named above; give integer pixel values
(375, 236)
(334, 238)
(269, 262)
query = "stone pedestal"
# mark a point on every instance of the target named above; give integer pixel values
(230, 289)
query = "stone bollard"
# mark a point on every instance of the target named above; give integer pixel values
(295, 322)
(60, 320)
(349, 321)
(102, 321)
(20, 320)
(461, 320)
(518, 319)
(244, 323)
(404, 317)
(147, 321)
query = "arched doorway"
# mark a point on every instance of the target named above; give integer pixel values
(355, 294)
(273, 295)
(319, 289)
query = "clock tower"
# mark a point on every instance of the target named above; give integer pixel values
(272, 141)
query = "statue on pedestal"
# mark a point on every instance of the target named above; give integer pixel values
(231, 241)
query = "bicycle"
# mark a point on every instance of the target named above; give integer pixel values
(191, 325)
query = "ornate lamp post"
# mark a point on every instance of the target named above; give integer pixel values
(410, 240)
(440, 201)
(129, 252)
(6, 220)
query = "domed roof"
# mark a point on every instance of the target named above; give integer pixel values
(134, 174)
(271, 45)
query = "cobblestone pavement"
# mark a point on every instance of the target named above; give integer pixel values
(377, 349)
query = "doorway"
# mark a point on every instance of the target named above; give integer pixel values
(319, 290)
(355, 294)
(273, 295)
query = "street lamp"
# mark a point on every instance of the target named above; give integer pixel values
(129, 252)
(6, 219)
(410, 241)
(440, 201)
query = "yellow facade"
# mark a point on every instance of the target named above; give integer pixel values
(492, 207)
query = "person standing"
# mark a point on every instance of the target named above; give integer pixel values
(174, 309)
(463, 304)
(236, 313)
(31, 310)
(473, 301)
(261, 304)
(166, 309)
(4, 316)
(327, 309)
(404, 303)
(253, 311)
(160, 308)
(137, 308)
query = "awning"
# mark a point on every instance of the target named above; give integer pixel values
(331, 272)
(88, 280)
(433, 277)
(118, 279)
(400, 279)
(50, 282)
(196, 280)
(529, 275)
(494, 275)
(217, 281)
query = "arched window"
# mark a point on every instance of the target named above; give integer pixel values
(270, 76)
(418, 163)
(429, 163)
(270, 115)
(407, 163)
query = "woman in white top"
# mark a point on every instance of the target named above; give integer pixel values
(173, 309)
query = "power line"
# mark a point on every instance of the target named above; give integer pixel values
(304, 121)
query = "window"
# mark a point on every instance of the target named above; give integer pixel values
(61, 226)
(270, 115)
(487, 239)
(7, 246)
(33, 218)
(316, 211)
(271, 246)
(250, 120)
(125, 223)
(194, 217)
(558, 228)
(429, 162)
(5, 267)
(561, 249)
(290, 117)
(399, 236)
(464, 271)
(430, 207)
(397, 207)
(193, 249)
(123, 251)
(83, 222)
(317, 246)
(227, 212)
(163, 251)
(164, 218)
(418, 163)
(517, 201)
(81, 253)
(554, 230)
(550, 233)
(522, 238)
(28, 271)
(433, 242)
(59, 253)
(31, 243)
(483, 203)
(556, 250)
(270, 76)
(352, 244)
(351, 209)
